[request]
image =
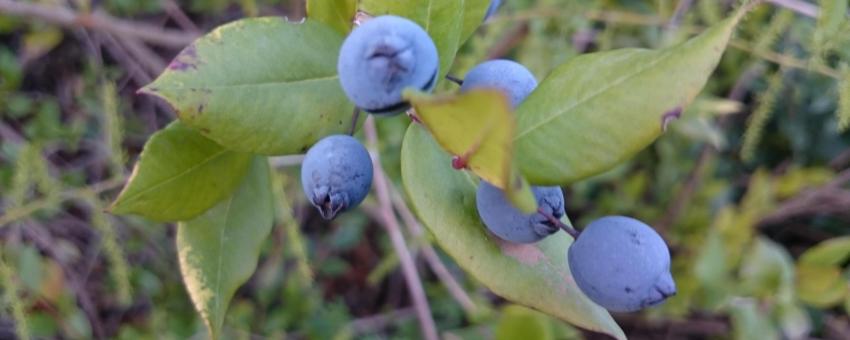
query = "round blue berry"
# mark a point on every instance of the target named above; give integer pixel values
(381, 58)
(336, 174)
(510, 224)
(510, 77)
(622, 264)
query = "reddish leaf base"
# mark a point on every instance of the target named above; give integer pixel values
(459, 162)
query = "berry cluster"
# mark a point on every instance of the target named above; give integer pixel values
(618, 262)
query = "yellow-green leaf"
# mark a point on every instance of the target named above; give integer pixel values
(535, 275)
(218, 250)
(477, 127)
(473, 16)
(820, 286)
(832, 252)
(518, 322)
(179, 175)
(797, 179)
(338, 14)
(768, 271)
(599, 109)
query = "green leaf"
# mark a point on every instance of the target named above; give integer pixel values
(535, 275)
(749, 322)
(711, 268)
(260, 85)
(794, 320)
(518, 322)
(442, 19)
(832, 252)
(599, 109)
(218, 250)
(338, 14)
(478, 128)
(820, 286)
(179, 175)
(768, 271)
(473, 16)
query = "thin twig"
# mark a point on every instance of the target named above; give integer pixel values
(180, 17)
(681, 8)
(784, 60)
(135, 70)
(804, 8)
(408, 267)
(509, 41)
(98, 21)
(829, 198)
(694, 180)
(152, 62)
(286, 161)
(431, 257)
(375, 323)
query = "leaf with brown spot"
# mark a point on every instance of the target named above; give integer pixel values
(599, 109)
(259, 85)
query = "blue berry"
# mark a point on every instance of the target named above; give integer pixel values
(381, 58)
(622, 264)
(510, 224)
(336, 174)
(508, 76)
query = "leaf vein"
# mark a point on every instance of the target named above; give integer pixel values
(597, 93)
(220, 259)
(181, 174)
(267, 83)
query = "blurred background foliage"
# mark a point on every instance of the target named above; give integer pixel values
(750, 187)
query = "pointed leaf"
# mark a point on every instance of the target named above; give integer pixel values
(442, 19)
(832, 252)
(260, 85)
(179, 175)
(599, 109)
(478, 128)
(820, 286)
(535, 275)
(338, 14)
(218, 250)
(473, 17)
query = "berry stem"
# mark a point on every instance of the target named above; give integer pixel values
(555, 221)
(354, 118)
(454, 79)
